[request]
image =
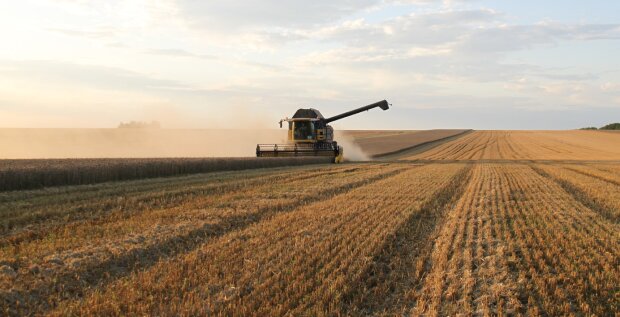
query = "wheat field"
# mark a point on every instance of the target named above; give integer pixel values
(494, 223)
(528, 145)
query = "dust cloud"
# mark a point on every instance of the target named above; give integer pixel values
(180, 137)
(352, 151)
(132, 143)
(143, 143)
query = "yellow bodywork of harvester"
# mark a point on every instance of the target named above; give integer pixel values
(309, 134)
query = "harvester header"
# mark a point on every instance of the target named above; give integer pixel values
(310, 135)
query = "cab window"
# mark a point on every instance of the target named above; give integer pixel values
(304, 130)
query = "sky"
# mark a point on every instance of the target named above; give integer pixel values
(248, 63)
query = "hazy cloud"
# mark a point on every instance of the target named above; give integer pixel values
(512, 38)
(96, 33)
(449, 45)
(178, 53)
(478, 31)
(243, 14)
(272, 56)
(86, 75)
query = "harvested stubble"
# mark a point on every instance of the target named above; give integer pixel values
(516, 243)
(116, 200)
(528, 145)
(78, 255)
(357, 239)
(298, 262)
(600, 171)
(382, 143)
(588, 183)
(30, 174)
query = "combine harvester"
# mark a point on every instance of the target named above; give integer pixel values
(310, 135)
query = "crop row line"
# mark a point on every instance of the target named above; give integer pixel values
(76, 282)
(301, 263)
(401, 264)
(580, 195)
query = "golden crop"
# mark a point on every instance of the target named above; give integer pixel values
(528, 145)
(516, 243)
(30, 174)
(513, 235)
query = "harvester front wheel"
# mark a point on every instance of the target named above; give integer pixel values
(340, 157)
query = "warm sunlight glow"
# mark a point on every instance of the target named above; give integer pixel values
(443, 64)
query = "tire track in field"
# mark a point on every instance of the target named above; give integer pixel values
(87, 198)
(485, 145)
(400, 264)
(512, 143)
(580, 195)
(607, 167)
(586, 224)
(75, 283)
(341, 268)
(303, 259)
(444, 149)
(516, 243)
(491, 148)
(105, 210)
(563, 274)
(591, 174)
(166, 221)
(460, 148)
(450, 251)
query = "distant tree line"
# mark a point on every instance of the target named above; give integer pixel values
(140, 125)
(611, 126)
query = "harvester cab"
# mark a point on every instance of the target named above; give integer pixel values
(309, 134)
